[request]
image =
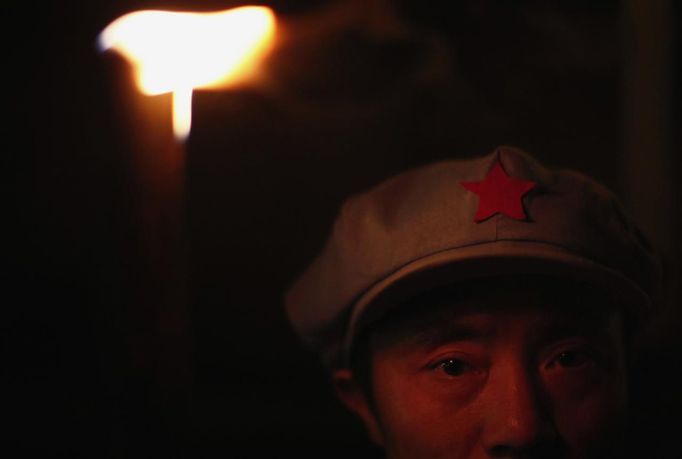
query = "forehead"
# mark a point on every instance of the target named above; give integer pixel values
(539, 303)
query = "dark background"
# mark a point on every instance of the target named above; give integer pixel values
(92, 366)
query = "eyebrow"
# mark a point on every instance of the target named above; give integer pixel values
(439, 332)
(450, 332)
(592, 327)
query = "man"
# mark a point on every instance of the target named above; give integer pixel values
(481, 308)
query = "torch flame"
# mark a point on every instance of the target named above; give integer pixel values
(180, 51)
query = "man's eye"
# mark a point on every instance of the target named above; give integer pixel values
(573, 359)
(454, 367)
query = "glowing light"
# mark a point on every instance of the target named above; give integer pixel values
(182, 112)
(181, 51)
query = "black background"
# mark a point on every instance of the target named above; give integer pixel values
(86, 366)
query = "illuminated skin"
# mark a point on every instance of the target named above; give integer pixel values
(516, 372)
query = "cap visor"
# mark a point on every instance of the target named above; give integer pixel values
(486, 260)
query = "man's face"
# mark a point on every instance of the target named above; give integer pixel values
(516, 371)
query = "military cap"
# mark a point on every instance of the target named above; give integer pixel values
(497, 214)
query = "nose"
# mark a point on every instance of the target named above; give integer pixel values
(517, 421)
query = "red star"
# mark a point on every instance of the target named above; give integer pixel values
(500, 193)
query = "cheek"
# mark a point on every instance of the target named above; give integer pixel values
(589, 409)
(420, 422)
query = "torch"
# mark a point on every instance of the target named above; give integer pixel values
(175, 53)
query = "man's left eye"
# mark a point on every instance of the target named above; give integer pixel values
(573, 359)
(454, 367)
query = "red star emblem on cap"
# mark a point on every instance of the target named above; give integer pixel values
(500, 193)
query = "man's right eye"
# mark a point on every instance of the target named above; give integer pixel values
(454, 367)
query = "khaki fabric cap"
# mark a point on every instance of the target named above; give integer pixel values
(463, 219)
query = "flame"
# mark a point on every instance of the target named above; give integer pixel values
(181, 51)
